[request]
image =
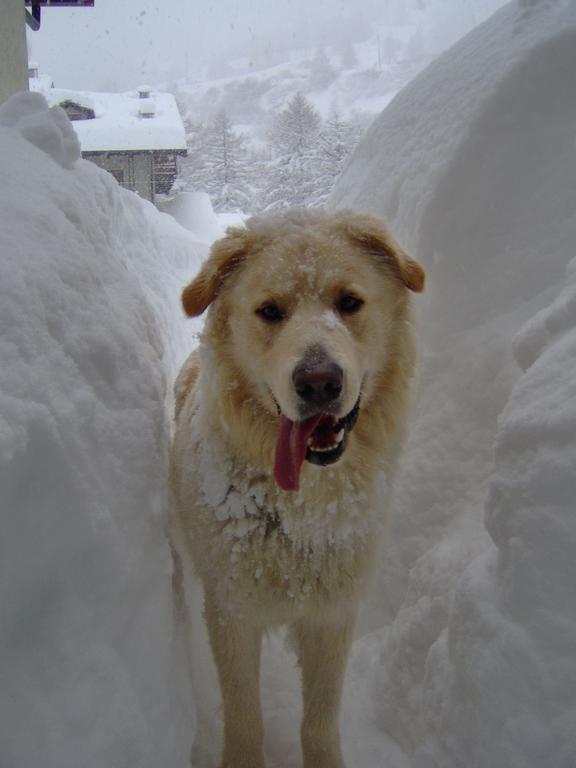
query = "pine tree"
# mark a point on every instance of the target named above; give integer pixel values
(336, 141)
(294, 143)
(219, 165)
(192, 166)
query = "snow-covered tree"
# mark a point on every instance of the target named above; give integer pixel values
(337, 139)
(191, 166)
(218, 164)
(294, 144)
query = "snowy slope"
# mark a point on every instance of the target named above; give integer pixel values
(473, 164)
(371, 52)
(253, 98)
(92, 661)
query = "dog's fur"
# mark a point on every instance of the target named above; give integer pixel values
(267, 556)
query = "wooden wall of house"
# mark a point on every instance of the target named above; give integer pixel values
(132, 171)
(118, 165)
(165, 172)
(146, 173)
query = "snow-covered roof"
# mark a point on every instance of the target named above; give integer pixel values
(118, 124)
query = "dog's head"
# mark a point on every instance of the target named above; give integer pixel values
(312, 306)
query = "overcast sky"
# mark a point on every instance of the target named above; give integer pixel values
(119, 44)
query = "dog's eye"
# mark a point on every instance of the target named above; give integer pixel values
(348, 304)
(271, 313)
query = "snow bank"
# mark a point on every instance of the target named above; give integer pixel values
(470, 161)
(501, 680)
(194, 212)
(473, 166)
(92, 669)
(48, 129)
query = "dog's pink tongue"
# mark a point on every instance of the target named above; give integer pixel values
(291, 448)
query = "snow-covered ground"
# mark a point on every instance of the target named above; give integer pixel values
(466, 652)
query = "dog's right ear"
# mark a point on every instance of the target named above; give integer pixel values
(225, 255)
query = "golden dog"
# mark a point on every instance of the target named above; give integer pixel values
(289, 422)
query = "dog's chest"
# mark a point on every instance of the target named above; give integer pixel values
(282, 552)
(284, 560)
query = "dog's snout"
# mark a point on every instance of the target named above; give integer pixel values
(318, 384)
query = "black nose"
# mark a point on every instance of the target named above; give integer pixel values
(318, 384)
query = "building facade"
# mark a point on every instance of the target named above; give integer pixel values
(136, 136)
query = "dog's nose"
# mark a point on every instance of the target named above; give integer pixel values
(318, 384)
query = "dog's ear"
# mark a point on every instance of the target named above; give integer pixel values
(373, 235)
(225, 255)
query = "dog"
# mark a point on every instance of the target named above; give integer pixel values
(289, 422)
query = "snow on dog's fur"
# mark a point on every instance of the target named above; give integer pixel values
(289, 421)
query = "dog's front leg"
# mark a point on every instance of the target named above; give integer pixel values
(323, 653)
(236, 647)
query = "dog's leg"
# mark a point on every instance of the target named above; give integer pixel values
(236, 647)
(323, 653)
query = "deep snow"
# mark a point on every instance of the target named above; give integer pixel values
(473, 166)
(92, 660)
(466, 653)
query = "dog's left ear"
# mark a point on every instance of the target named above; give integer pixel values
(225, 255)
(373, 235)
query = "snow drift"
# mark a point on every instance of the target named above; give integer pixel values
(473, 166)
(507, 663)
(472, 163)
(194, 212)
(93, 669)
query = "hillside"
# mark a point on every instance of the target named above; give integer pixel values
(355, 64)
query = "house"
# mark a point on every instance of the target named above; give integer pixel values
(136, 136)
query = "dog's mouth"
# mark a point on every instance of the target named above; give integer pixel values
(321, 440)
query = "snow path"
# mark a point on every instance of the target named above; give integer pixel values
(365, 744)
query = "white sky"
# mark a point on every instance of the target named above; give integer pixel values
(120, 43)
